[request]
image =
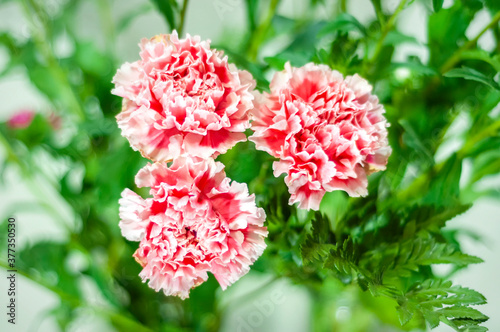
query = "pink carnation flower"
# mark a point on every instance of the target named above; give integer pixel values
(328, 132)
(182, 97)
(21, 119)
(196, 222)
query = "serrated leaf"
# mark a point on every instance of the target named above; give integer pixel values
(472, 74)
(311, 251)
(317, 245)
(437, 217)
(438, 301)
(404, 314)
(400, 259)
(473, 328)
(342, 260)
(463, 312)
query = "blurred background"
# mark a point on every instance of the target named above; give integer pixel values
(60, 178)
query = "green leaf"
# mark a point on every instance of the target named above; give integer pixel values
(461, 311)
(168, 8)
(487, 163)
(444, 189)
(342, 260)
(45, 82)
(433, 219)
(437, 5)
(493, 5)
(400, 259)
(446, 31)
(482, 55)
(395, 37)
(252, 7)
(91, 60)
(317, 245)
(437, 300)
(416, 141)
(472, 74)
(47, 260)
(296, 59)
(343, 22)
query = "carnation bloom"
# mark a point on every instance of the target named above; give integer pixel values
(21, 119)
(328, 132)
(182, 97)
(196, 222)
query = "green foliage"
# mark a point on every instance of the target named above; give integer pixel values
(437, 5)
(472, 74)
(169, 10)
(376, 253)
(439, 301)
(343, 22)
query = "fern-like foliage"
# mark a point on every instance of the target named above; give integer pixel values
(438, 301)
(317, 244)
(402, 258)
(387, 270)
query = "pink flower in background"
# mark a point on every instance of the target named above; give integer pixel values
(196, 222)
(328, 132)
(21, 119)
(55, 120)
(182, 97)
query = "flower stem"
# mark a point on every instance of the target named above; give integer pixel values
(343, 6)
(455, 58)
(183, 17)
(385, 30)
(40, 34)
(260, 33)
(107, 25)
(377, 5)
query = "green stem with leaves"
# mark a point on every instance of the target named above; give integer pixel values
(456, 57)
(40, 32)
(385, 30)
(377, 5)
(426, 177)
